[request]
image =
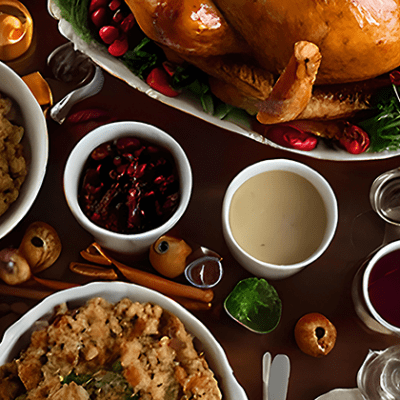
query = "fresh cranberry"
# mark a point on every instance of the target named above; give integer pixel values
(119, 47)
(95, 4)
(118, 17)
(114, 5)
(128, 23)
(99, 17)
(109, 34)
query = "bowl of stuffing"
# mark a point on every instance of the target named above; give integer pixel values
(23, 149)
(113, 340)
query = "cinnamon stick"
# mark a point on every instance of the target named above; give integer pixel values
(93, 271)
(155, 282)
(24, 292)
(56, 285)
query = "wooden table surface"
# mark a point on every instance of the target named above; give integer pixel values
(216, 156)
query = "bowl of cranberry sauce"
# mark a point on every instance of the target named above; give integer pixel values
(381, 283)
(127, 183)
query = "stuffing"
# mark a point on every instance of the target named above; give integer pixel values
(105, 351)
(13, 169)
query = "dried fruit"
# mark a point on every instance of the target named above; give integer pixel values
(315, 335)
(40, 246)
(14, 269)
(168, 256)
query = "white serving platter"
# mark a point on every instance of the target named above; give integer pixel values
(191, 105)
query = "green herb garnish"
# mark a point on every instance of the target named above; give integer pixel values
(104, 382)
(78, 379)
(384, 127)
(143, 58)
(255, 304)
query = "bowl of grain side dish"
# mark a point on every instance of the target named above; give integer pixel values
(23, 149)
(117, 338)
(278, 216)
(127, 183)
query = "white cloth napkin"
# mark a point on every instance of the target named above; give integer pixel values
(342, 394)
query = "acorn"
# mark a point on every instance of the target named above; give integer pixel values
(168, 256)
(40, 246)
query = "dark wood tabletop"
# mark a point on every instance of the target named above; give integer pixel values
(216, 156)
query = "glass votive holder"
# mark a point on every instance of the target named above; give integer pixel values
(16, 30)
(385, 196)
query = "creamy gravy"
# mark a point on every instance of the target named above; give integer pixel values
(278, 217)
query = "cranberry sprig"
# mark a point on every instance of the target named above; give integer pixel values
(113, 20)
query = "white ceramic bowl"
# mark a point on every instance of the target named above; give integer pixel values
(35, 142)
(17, 336)
(264, 269)
(126, 244)
(389, 248)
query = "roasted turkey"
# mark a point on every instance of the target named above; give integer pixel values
(281, 59)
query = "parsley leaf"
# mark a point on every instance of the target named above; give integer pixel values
(384, 126)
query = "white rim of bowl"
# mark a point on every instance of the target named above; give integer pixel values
(40, 172)
(291, 166)
(14, 333)
(389, 248)
(71, 188)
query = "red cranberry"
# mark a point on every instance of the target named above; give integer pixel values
(98, 17)
(128, 23)
(95, 4)
(119, 47)
(109, 34)
(114, 5)
(118, 17)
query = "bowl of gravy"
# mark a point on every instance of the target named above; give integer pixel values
(278, 216)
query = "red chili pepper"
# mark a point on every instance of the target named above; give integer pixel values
(159, 80)
(291, 137)
(87, 115)
(395, 77)
(355, 140)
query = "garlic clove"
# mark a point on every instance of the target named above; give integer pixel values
(14, 269)
(41, 246)
(168, 256)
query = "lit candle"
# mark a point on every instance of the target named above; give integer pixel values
(16, 30)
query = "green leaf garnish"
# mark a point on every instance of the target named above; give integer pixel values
(143, 58)
(255, 304)
(384, 127)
